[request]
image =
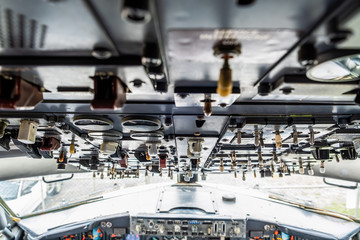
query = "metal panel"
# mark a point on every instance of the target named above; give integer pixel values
(69, 26)
(186, 198)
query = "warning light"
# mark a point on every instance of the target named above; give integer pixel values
(61, 156)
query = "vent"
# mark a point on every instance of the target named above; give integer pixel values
(18, 31)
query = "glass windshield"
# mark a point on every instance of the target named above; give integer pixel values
(9, 190)
(32, 195)
(302, 189)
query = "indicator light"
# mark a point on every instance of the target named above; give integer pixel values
(61, 156)
(147, 155)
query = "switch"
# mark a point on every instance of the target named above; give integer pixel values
(295, 136)
(221, 167)
(261, 161)
(278, 140)
(27, 131)
(238, 136)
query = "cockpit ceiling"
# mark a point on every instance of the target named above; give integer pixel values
(190, 87)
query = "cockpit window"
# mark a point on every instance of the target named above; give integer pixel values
(37, 196)
(9, 190)
(27, 186)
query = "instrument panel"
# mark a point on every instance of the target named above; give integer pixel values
(179, 227)
(195, 227)
(103, 232)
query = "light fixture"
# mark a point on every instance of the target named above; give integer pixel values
(321, 153)
(348, 153)
(310, 169)
(301, 168)
(322, 167)
(336, 66)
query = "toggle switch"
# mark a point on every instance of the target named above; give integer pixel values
(207, 105)
(278, 140)
(261, 160)
(295, 136)
(221, 167)
(238, 136)
(27, 131)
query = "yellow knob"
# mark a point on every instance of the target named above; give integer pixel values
(61, 157)
(147, 156)
(278, 140)
(225, 83)
(72, 148)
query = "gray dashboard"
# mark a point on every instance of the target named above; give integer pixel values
(243, 216)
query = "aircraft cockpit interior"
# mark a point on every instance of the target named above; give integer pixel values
(179, 119)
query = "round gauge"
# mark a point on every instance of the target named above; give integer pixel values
(93, 123)
(342, 69)
(103, 224)
(110, 135)
(141, 124)
(147, 136)
(109, 224)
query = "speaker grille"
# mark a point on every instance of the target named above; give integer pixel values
(18, 31)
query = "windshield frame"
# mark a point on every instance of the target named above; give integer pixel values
(102, 196)
(9, 211)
